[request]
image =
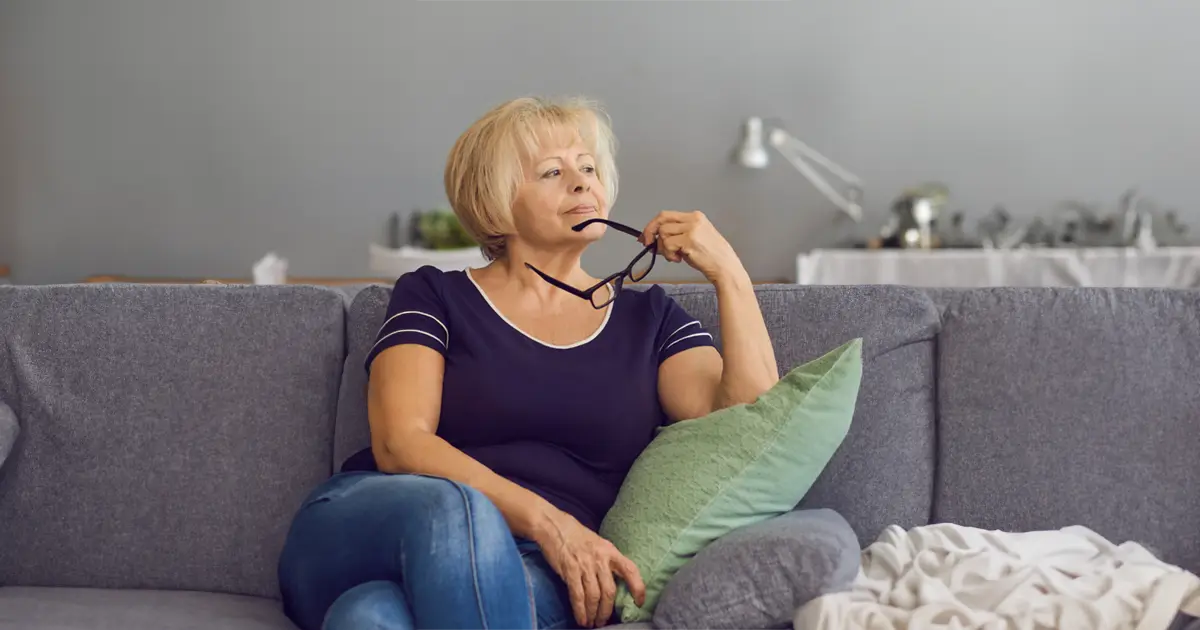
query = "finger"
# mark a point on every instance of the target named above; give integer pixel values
(674, 248)
(651, 230)
(672, 255)
(591, 602)
(608, 594)
(672, 228)
(632, 576)
(666, 216)
(678, 215)
(575, 590)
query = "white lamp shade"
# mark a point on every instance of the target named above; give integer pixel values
(751, 153)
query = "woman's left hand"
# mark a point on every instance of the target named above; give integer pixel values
(690, 237)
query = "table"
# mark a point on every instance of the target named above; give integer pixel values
(322, 281)
(1171, 267)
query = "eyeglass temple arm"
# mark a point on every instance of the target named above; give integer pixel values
(587, 295)
(618, 226)
(628, 230)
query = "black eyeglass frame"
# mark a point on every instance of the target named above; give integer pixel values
(618, 278)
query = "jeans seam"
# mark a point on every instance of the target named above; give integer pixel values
(471, 547)
(532, 596)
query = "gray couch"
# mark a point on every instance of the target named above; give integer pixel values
(167, 434)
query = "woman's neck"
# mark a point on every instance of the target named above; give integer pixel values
(564, 266)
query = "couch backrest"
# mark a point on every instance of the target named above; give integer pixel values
(1066, 407)
(365, 315)
(883, 473)
(167, 434)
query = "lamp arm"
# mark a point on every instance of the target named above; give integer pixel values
(795, 151)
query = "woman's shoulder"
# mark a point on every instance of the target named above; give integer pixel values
(660, 303)
(428, 286)
(652, 301)
(427, 278)
(655, 294)
(655, 308)
(646, 295)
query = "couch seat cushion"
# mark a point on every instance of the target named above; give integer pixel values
(37, 608)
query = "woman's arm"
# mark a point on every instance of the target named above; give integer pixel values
(696, 382)
(749, 362)
(403, 406)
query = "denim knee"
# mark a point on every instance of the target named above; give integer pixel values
(456, 502)
(450, 515)
(378, 605)
(445, 544)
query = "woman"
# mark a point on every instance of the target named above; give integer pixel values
(505, 411)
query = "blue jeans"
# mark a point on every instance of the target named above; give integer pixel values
(373, 550)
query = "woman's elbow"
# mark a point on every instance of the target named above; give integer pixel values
(393, 456)
(744, 395)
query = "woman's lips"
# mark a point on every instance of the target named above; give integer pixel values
(582, 210)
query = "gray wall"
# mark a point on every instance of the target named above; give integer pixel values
(173, 137)
(8, 146)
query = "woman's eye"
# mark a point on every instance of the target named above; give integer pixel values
(551, 173)
(589, 169)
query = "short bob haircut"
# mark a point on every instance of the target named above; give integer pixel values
(486, 164)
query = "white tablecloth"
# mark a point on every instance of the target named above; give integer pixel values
(1177, 267)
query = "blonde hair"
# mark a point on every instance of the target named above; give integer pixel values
(486, 164)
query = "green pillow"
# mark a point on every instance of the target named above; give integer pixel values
(703, 478)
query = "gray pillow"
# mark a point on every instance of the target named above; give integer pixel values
(757, 576)
(8, 431)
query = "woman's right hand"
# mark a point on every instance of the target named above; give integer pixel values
(586, 562)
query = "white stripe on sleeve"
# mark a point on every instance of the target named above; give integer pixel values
(699, 334)
(413, 330)
(439, 323)
(667, 342)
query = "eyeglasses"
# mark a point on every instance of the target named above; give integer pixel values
(637, 269)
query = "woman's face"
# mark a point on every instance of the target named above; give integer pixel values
(561, 189)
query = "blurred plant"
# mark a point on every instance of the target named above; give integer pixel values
(440, 229)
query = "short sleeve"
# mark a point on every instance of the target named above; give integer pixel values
(416, 314)
(678, 330)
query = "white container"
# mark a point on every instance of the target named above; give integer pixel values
(271, 269)
(397, 262)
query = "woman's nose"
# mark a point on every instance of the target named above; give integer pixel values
(581, 183)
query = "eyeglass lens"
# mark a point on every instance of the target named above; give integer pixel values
(606, 294)
(642, 265)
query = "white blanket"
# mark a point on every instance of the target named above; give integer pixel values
(952, 577)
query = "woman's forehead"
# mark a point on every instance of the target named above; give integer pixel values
(570, 147)
(553, 138)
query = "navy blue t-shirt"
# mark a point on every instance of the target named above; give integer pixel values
(566, 422)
